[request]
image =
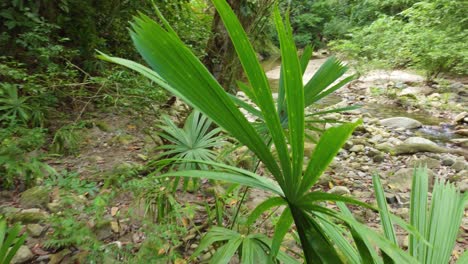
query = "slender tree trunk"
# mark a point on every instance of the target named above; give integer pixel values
(221, 59)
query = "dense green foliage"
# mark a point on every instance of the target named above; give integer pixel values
(429, 35)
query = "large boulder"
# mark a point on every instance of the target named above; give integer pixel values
(400, 122)
(418, 144)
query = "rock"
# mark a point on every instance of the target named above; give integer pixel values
(35, 230)
(459, 165)
(425, 161)
(308, 149)
(378, 158)
(459, 176)
(456, 86)
(35, 197)
(463, 186)
(357, 148)
(59, 256)
(372, 152)
(401, 122)
(391, 198)
(460, 117)
(415, 91)
(348, 145)
(29, 216)
(402, 179)
(402, 212)
(23, 255)
(463, 142)
(418, 144)
(103, 231)
(376, 139)
(340, 190)
(448, 161)
(385, 147)
(463, 132)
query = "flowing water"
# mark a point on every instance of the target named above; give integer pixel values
(433, 129)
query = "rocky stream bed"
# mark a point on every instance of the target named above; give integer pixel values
(405, 123)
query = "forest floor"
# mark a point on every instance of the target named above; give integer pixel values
(101, 204)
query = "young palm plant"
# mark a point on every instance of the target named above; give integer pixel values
(177, 69)
(10, 242)
(437, 223)
(195, 141)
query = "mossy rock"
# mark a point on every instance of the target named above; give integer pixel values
(28, 217)
(36, 197)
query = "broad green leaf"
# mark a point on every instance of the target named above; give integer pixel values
(224, 254)
(328, 73)
(281, 228)
(418, 212)
(225, 176)
(387, 223)
(262, 207)
(292, 83)
(215, 234)
(258, 82)
(305, 58)
(327, 148)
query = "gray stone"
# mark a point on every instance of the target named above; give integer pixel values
(402, 179)
(23, 255)
(459, 176)
(29, 216)
(401, 122)
(385, 147)
(340, 190)
(357, 148)
(459, 165)
(425, 161)
(448, 161)
(35, 230)
(378, 158)
(418, 144)
(35, 197)
(463, 186)
(460, 117)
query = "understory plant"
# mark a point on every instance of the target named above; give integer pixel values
(177, 69)
(437, 221)
(10, 241)
(195, 141)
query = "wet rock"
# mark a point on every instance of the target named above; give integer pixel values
(401, 122)
(35, 197)
(340, 190)
(357, 148)
(35, 230)
(459, 165)
(23, 255)
(418, 144)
